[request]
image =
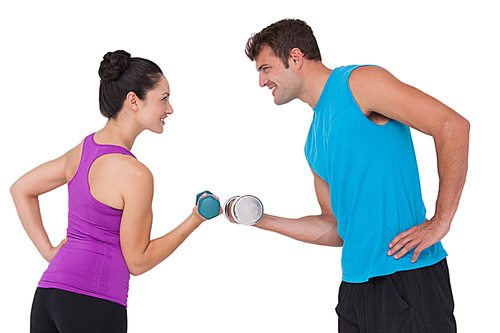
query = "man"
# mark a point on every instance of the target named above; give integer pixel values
(395, 277)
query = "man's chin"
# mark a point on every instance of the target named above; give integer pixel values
(281, 102)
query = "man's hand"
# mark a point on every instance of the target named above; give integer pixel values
(421, 236)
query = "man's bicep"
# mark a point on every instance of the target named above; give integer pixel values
(323, 194)
(330, 236)
(377, 90)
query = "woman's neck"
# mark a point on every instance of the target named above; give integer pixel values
(118, 133)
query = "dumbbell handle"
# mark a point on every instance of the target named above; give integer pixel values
(208, 206)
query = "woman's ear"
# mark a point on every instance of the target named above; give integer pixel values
(133, 101)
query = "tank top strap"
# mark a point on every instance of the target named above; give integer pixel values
(93, 150)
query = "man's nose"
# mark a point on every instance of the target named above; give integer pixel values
(263, 80)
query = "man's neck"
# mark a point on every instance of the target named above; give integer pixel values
(315, 77)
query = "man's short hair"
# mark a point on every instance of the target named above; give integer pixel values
(282, 37)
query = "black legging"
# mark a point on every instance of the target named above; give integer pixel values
(59, 311)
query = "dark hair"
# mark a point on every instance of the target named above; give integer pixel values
(121, 74)
(282, 37)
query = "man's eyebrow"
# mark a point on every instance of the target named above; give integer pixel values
(261, 66)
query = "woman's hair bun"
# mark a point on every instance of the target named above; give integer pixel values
(120, 74)
(113, 65)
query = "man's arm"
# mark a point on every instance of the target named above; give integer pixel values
(376, 90)
(318, 229)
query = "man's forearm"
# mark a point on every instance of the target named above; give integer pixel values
(318, 229)
(452, 150)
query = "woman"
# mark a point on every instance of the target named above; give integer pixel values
(85, 286)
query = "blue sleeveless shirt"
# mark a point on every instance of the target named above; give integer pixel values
(374, 183)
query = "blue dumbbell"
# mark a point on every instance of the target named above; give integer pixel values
(208, 206)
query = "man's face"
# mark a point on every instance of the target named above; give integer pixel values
(284, 83)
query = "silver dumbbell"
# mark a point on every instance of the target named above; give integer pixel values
(244, 209)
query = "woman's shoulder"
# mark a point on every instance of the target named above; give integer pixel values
(130, 165)
(73, 157)
(116, 178)
(131, 178)
(125, 169)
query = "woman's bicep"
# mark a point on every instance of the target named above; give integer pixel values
(137, 218)
(43, 178)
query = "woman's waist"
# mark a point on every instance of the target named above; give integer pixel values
(92, 238)
(84, 253)
(89, 261)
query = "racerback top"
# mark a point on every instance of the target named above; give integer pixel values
(91, 263)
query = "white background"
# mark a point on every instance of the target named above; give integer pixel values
(226, 135)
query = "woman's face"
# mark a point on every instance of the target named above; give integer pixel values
(156, 107)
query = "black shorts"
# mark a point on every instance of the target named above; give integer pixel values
(412, 301)
(59, 311)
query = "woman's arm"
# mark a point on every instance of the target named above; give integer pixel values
(318, 229)
(140, 253)
(25, 192)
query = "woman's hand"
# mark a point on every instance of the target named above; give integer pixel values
(53, 250)
(196, 211)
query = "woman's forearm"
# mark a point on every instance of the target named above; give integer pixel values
(161, 248)
(28, 209)
(25, 192)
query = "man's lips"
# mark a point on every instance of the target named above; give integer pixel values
(273, 88)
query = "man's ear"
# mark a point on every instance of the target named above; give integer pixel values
(296, 57)
(133, 101)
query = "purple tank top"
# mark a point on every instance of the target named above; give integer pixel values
(91, 263)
